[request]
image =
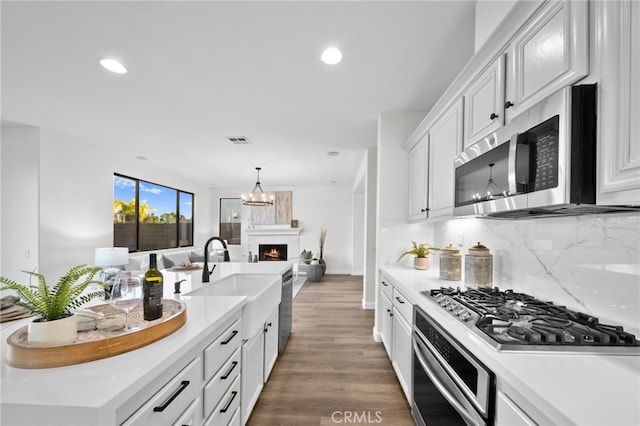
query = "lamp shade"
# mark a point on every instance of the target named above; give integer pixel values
(111, 256)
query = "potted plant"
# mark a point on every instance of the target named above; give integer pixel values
(421, 253)
(55, 323)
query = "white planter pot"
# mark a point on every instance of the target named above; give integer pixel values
(56, 332)
(421, 263)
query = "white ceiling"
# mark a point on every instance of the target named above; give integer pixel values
(204, 70)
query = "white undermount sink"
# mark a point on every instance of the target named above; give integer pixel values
(263, 293)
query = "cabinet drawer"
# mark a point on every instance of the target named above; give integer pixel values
(402, 306)
(387, 288)
(218, 352)
(219, 384)
(226, 409)
(191, 416)
(235, 420)
(170, 402)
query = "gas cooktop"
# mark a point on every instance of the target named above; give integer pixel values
(516, 321)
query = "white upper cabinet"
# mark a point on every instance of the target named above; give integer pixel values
(618, 43)
(445, 142)
(550, 53)
(418, 168)
(484, 103)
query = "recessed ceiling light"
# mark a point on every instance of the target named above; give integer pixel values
(141, 157)
(113, 65)
(333, 153)
(331, 56)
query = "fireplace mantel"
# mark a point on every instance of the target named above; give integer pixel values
(274, 231)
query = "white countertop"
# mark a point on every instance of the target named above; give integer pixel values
(106, 384)
(564, 388)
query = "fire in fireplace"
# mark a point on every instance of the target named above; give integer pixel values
(270, 252)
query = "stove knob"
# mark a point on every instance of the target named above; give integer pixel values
(465, 315)
(452, 306)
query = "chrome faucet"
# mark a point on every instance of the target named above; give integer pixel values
(205, 271)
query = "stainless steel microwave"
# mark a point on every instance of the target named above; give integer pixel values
(543, 162)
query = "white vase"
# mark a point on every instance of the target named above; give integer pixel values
(421, 263)
(57, 332)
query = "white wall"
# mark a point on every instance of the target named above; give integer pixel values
(314, 207)
(20, 188)
(392, 193)
(489, 14)
(370, 233)
(76, 200)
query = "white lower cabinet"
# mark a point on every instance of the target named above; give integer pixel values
(259, 355)
(509, 414)
(173, 400)
(191, 416)
(221, 382)
(387, 325)
(402, 351)
(224, 412)
(195, 393)
(396, 329)
(270, 344)
(252, 374)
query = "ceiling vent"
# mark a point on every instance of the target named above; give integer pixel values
(239, 140)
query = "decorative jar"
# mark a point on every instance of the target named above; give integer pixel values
(450, 263)
(478, 267)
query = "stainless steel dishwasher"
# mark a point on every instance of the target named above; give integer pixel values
(286, 314)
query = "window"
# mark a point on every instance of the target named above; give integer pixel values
(230, 220)
(148, 216)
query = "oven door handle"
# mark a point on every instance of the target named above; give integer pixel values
(418, 350)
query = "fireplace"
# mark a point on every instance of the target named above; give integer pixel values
(270, 252)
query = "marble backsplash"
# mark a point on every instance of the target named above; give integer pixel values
(588, 263)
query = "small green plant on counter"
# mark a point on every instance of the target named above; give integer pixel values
(419, 250)
(56, 303)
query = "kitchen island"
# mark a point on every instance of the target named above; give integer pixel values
(123, 389)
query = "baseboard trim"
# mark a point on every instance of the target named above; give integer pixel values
(368, 305)
(376, 336)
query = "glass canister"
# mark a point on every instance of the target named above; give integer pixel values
(478, 267)
(450, 263)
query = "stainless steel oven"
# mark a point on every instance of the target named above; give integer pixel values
(450, 386)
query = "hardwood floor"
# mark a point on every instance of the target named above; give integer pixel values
(332, 371)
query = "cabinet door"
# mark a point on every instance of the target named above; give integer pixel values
(484, 104)
(508, 413)
(270, 344)
(445, 142)
(418, 181)
(402, 353)
(252, 374)
(619, 94)
(549, 54)
(387, 325)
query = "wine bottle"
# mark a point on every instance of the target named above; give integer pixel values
(152, 291)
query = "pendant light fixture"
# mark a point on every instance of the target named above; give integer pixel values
(257, 197)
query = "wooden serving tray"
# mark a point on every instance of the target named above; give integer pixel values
(97, 344)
